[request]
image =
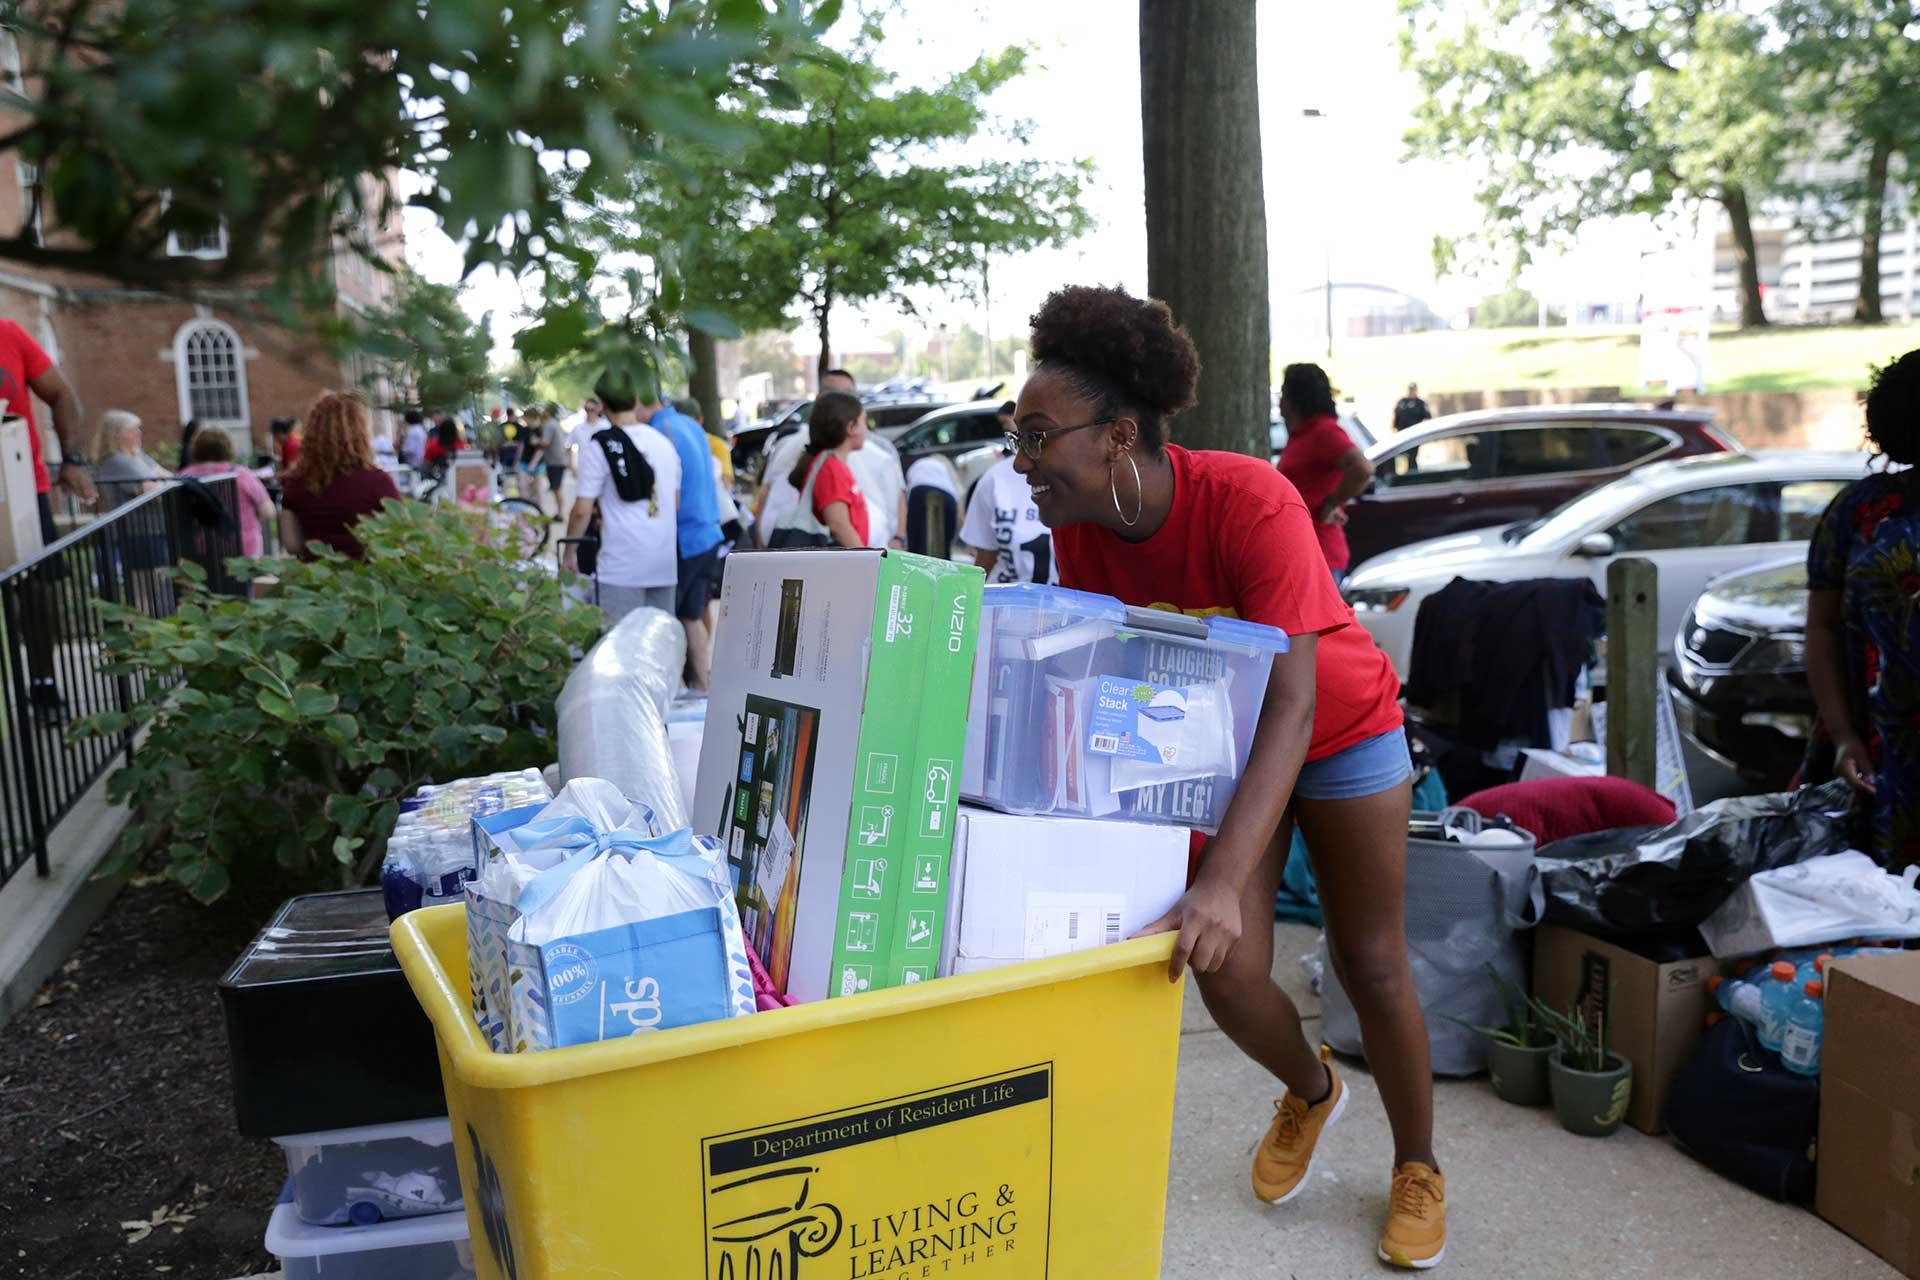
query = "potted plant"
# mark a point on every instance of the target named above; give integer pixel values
(1591, 1086)
(1517, 1051)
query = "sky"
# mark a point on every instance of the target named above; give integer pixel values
(1340, 192)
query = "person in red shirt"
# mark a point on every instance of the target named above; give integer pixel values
(26, 370)
(1220, 534)
(1321, 459)
(836, 427)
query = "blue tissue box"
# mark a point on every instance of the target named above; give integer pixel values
(668, 972)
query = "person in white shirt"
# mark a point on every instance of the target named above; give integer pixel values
(638, 562)
(1004, 528)
(931, 480)
(413, 442)
(876, 465)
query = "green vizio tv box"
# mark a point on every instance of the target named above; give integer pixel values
(828, 767)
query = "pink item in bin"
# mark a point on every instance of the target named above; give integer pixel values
(765, 995)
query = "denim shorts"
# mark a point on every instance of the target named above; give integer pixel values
(1366, 768)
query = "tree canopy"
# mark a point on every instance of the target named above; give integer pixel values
(283, 121)
(435, 350)
(1572, 112)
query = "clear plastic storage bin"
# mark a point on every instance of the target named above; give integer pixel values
(380, 1173)
(1087, 707)
(435, 1248)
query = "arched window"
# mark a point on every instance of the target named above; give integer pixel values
(210, 369)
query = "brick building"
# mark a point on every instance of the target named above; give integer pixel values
(168, 360)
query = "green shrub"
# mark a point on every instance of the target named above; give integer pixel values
(300, 719)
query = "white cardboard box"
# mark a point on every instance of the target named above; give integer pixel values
(1029, 887)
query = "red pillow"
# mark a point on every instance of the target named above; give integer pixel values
(1555, 808)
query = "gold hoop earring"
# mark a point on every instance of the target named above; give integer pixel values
(1140, 493)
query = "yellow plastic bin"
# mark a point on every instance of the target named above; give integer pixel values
(1002, 1125)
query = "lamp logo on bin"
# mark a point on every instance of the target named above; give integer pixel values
(493, 1207)
(931, 1183)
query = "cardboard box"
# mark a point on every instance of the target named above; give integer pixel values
(19, 506)
(1029, 887)
(1654, 1013)
(1869, 1171)
(814, 759)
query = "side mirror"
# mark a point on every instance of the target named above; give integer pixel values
(1596, 546)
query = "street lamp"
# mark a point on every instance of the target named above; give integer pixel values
(1315, 113)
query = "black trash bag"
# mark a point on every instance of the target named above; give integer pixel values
(1640, 879)
(1741, 1113)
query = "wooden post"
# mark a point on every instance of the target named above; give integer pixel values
(1633, 669)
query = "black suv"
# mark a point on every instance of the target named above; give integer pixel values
(1739, 673)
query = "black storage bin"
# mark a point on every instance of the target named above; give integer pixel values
(323, 1029)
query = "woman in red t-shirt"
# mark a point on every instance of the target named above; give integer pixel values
(1218, 533)
(1321, 460)
(836, 427)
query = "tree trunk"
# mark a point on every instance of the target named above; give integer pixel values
(704, 378)
(1206, 211)
(826, 335)
(1753, 312)
(1873, 221)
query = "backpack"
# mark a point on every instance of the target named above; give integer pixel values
(1738, 1111)
(632, 473)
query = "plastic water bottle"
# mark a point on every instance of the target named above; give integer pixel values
(1738, 997)
(1776, 999)
(1800, 1046)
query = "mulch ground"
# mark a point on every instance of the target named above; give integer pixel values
(118, 1152)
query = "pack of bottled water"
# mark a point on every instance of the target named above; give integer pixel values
(430, 855)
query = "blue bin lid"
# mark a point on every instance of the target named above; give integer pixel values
(1249, 635)
(1036, 598)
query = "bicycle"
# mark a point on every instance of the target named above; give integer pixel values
(532, 526)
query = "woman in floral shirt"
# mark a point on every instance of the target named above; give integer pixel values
(1863, 620)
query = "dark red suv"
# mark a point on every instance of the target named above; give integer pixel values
(1498, 466)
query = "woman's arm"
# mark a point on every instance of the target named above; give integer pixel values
(840, 525)
(1356, 473)
(292, 541)
(1208, 916)
(1827, 675)
(985, 559)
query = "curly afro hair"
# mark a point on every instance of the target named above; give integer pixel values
(1893, 409)
(1124, 353)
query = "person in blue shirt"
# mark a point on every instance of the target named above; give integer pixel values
(699, 533)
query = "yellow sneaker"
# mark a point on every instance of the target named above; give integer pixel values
(1416, 1232)
(1285, 1159)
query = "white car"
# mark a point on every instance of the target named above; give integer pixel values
(1695, 518)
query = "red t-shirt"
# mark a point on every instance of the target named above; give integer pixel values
(21, 361)
(834, 482)
(329, 516)
(289, 452)
(1311, 461)
(1239, 543)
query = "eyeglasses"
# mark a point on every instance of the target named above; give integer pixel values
(1032, 443)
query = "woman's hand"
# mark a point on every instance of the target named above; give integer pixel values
(1854, 762)
(1332, 512)
(1208, 918)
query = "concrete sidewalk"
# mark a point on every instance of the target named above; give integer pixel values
(1525, 1197)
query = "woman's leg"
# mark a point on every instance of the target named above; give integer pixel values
(1359, 853)
(1242, 996)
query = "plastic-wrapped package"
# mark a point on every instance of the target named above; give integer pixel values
(1469, 892)
(613, 713)
(1637, 880)
(1844, 895)
(429, 856)
(629, 933)
(512, 852)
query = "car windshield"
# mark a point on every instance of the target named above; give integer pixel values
(1575, 514)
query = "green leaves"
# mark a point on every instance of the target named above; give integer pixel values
(306, 715)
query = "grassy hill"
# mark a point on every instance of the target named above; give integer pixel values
(1777, 359)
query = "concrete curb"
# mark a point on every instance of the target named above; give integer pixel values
(43, 920)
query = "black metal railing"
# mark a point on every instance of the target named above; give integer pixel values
(53, 670)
